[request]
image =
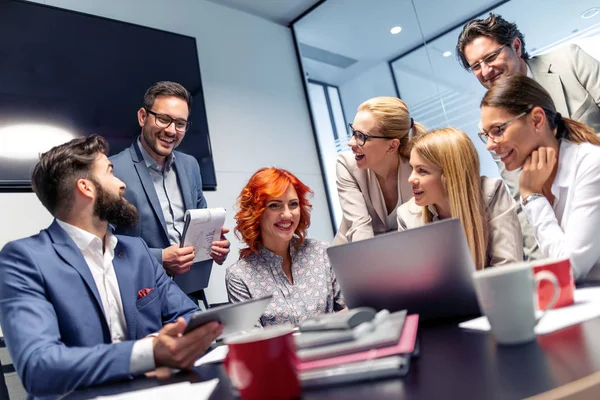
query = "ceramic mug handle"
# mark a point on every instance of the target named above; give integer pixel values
(548, 276)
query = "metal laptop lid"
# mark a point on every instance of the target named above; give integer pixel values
(426, 270)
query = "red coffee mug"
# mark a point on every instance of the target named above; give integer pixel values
(262, 364)
(562, 270)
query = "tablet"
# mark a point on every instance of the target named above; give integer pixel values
(235, 317)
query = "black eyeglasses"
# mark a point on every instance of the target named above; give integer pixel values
(496, 132)
(487, 60)
(361, 138)
(164, 121)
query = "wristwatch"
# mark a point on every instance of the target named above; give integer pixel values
(531, 197)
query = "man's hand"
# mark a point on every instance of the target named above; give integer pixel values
(220, 248)
(174, 350)
(161, 373)
(178, 260)
(537, 170)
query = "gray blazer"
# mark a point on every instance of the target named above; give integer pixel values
(505, 244)
(572, 77)
(361, 198)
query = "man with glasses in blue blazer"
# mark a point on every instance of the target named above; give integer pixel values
(164, 183)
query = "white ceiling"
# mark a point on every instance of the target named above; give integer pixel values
(280, 11)
(360, 29)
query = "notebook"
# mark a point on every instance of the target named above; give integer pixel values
(405, 345)
(385, 334)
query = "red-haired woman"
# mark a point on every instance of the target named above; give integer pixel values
(272, 219)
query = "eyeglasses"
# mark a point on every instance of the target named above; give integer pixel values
(164, 121)
(497, 131)
(487, 60)
(361, 138)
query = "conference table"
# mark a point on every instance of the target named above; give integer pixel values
(453, 364)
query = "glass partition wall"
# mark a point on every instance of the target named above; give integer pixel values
(353, 50)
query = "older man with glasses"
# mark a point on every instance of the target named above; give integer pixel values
(493, 47)
(163, 183)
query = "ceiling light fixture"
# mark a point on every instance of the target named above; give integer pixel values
(447, 54)
(395, 30)
(590, 13)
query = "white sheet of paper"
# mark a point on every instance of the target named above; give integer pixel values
(204, 227)
(183, 391)
(587, 306)
(217, 355)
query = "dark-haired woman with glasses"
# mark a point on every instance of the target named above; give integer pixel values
(560, 181)
(372, 180)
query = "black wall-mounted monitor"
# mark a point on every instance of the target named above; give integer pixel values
(86, 74)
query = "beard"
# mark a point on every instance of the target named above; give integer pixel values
(116, 210)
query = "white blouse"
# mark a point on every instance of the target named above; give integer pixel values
(570, 228)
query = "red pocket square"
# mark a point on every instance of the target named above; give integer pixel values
(144, 292)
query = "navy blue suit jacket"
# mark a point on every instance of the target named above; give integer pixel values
(52, 316)
(129, 166)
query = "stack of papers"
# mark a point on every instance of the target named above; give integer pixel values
(587, 306)
(183, 391)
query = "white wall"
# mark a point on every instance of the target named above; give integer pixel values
(374, 82)
(255, 104)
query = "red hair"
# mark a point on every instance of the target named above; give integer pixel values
(252, 201)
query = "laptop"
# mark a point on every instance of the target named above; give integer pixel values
(426, 270)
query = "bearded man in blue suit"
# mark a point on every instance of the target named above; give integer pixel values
(78, 304)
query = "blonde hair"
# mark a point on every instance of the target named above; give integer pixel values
(393, 120)
(451, 150)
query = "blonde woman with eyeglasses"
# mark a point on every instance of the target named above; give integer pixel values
(446, 183)
(372, 178)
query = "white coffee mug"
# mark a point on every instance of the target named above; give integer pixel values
(507, 296)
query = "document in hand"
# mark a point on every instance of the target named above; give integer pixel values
(201, 227)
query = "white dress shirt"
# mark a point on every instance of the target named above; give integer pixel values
(569, 227)
(100, 263)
